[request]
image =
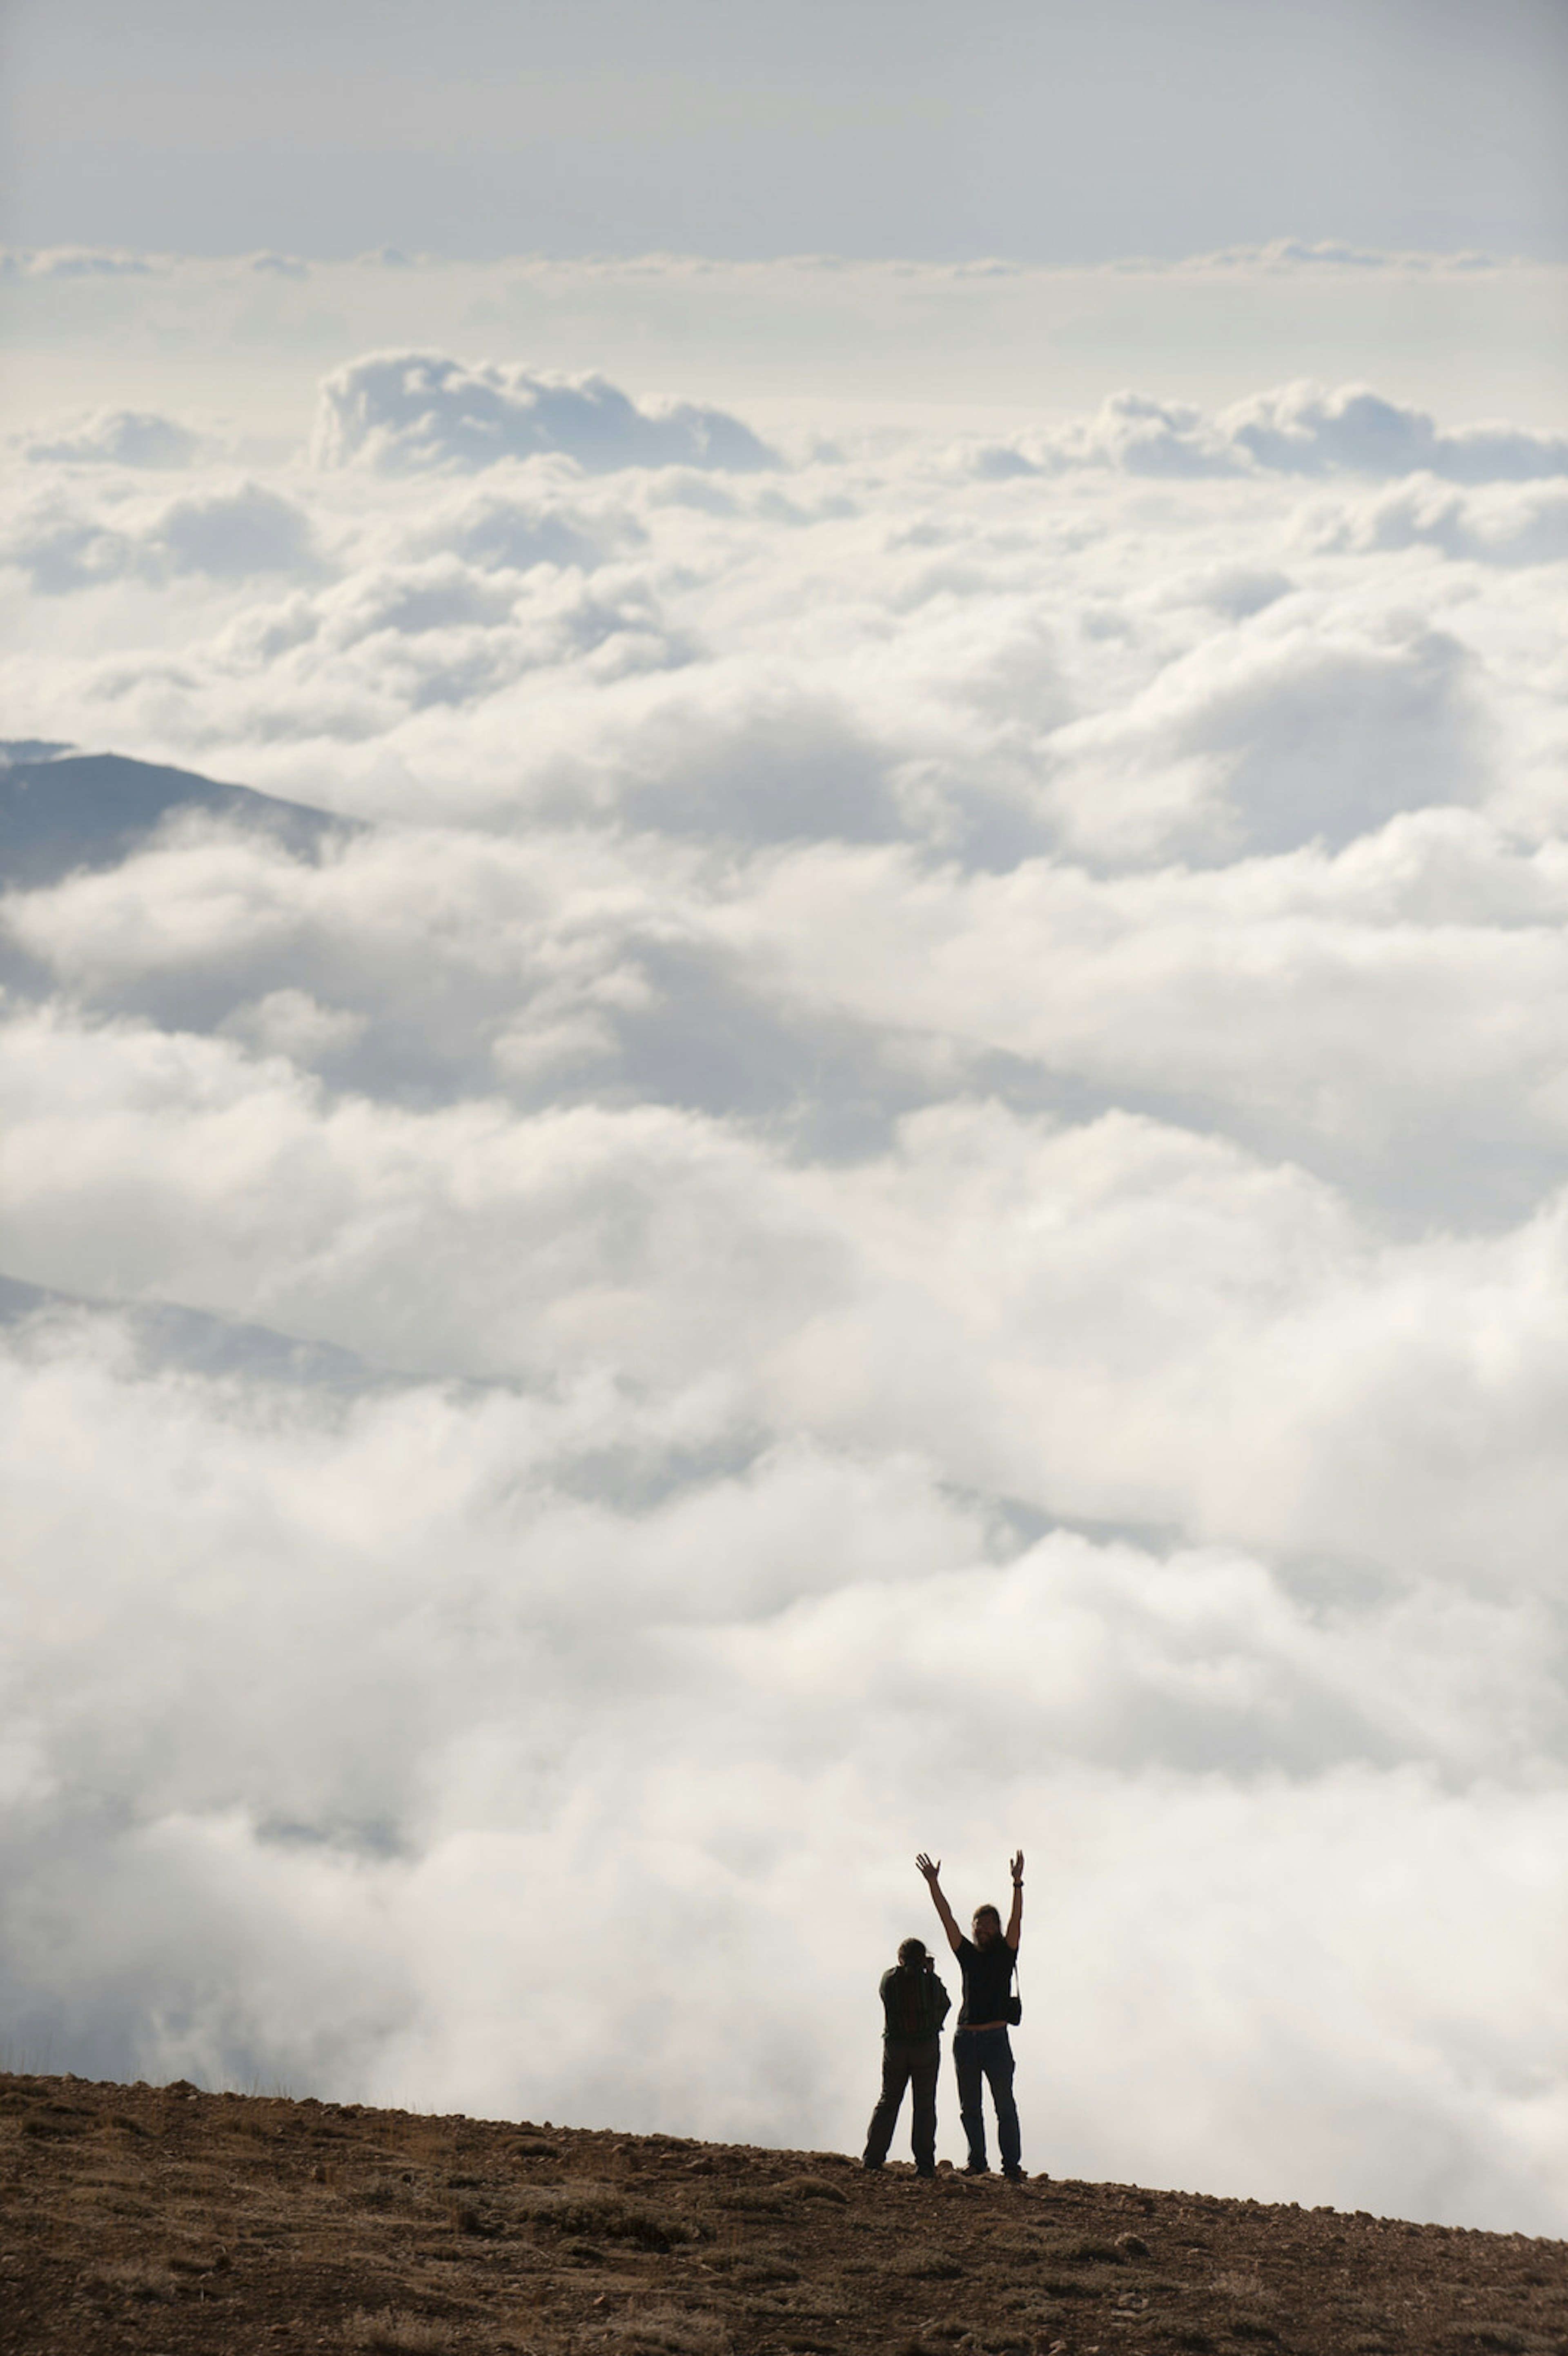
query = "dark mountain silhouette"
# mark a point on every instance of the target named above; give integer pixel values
(62, 812)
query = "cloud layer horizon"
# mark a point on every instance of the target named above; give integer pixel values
(893, 1176)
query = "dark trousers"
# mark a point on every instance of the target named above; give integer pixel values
(912, 2061)
(985, 2057)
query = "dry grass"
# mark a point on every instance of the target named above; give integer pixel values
(815, 2188)
(392, 2334)
(602, 2217)
(661, 2331)
(1072, 2248)
(139, 2219)
(1234, 2285)
(147, 2280)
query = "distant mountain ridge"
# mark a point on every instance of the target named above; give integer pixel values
(166, 1335)
(63, 811)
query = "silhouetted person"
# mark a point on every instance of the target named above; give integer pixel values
(982, 2049)
(914, 2006)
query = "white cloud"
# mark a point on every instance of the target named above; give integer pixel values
(909, 1191)
(360, 1788)
(82, 261)
(991, 345)
(113, 437)
(404, 411)
(1297, 429)
(1501, 525)
(234, 530)
(1293, 253)
(291, 1023)
(511, 530)
(1308, 429)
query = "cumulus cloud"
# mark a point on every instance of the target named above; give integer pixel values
(1307, 429)
(113, 437)
(63, 542)
(361, 1781)
(80, 262)
(1495, 526)
(905, 1186)
(398, 411)
(1297, 429)
(510, 529)
(1284, 254)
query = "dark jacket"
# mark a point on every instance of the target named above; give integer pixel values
(914, 2002)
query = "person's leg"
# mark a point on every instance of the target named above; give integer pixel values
(966, 2067)
(998, 2063)
(925, 2065)
(884, 2118)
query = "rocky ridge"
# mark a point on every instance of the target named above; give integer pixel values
(171, 2221)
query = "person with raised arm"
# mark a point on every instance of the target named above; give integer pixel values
(982, 2049)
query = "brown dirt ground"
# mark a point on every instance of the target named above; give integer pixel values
(169, 2222)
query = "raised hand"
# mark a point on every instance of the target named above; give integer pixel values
(1019, 1867)
(931, 1869)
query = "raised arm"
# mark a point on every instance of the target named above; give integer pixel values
(1014, 1931)
(932, 1882)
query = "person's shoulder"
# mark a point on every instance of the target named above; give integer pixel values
(965, 1946)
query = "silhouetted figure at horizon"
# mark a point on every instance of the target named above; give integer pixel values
(914, 2006)
(982, 2049)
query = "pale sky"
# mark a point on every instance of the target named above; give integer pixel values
(1041, 129)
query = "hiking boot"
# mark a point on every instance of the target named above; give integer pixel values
(872, 2167)
(976, 2168)
(1015, 2175)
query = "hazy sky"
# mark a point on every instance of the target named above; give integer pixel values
(895, 1174)
(1039, 129)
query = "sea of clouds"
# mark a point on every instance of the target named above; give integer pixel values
(899, 1178)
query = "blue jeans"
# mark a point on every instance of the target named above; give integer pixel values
(986, 2055)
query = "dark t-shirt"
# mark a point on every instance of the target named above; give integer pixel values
(988, 1975)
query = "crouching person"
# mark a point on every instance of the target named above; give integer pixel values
(914, 2006)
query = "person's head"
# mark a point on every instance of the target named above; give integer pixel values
(911, 1952)
(986, 1925)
